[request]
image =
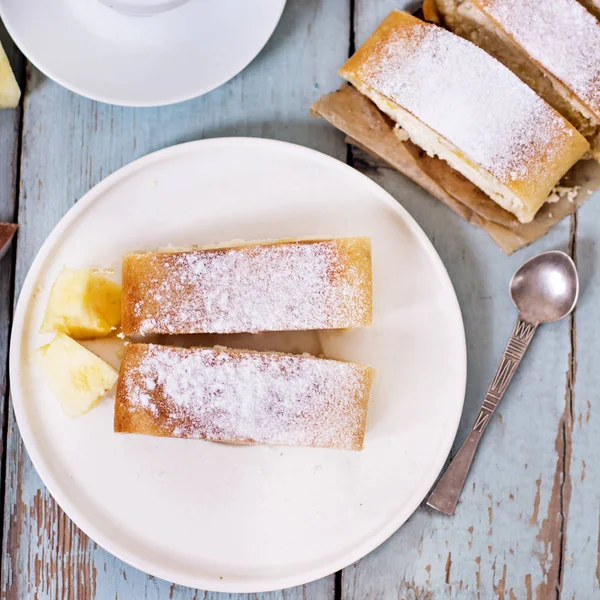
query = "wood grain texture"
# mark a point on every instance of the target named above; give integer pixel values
(10, 131)
(527, 526)
(68, 145)
(506, 539)
(581, 563)
(505, 536)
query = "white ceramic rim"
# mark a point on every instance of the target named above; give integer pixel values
(48, 71)
(112, 545)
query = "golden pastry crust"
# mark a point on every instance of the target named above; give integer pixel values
(593, 6)
(489, 120)
(242, 396)
(271, 286)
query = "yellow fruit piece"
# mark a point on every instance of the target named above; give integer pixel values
(9, 89)
(83, 304)
(77, 377)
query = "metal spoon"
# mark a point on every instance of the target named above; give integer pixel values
(544, 289)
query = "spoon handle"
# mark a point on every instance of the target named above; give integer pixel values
(447, 491)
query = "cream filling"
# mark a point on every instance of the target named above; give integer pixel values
(436, 145)
(468, 11)
(561, 191)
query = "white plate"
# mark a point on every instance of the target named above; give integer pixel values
(244, 519)
(99, 52)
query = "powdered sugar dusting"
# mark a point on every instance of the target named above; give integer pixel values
(291, 286)
(245, 397)
(561, 35)
(469, 98)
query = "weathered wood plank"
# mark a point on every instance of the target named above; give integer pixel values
(10, 125)
(69, 144)
(581, 562)
(9, 136)
(505, 540)
(10, 120)
(505, 536)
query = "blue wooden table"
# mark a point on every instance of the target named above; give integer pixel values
(528, 523)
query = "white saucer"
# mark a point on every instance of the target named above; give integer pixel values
(241, 518)
(176, 55)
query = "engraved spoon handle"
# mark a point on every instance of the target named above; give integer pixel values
(447, 491)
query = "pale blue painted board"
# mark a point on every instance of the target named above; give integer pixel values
(582, 550)
(498, 545)
(440, 557)
(9, 143)
(69, 144)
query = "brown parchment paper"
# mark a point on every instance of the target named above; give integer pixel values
(369, 129)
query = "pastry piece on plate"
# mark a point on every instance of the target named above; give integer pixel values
(242, 397)
(460, 104)
(9, 88)
(272, 286)
(553, 46)
(83, 304)
(77, 377)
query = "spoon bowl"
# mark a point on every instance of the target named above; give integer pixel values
(546, 287)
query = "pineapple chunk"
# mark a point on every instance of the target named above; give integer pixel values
(83, 304)
(9, 89)
(77, 377)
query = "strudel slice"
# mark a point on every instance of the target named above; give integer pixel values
(460, 104)
(272, 286)
(242, 397)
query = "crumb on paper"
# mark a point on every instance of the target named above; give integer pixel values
(401, 134)
(561, 191)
